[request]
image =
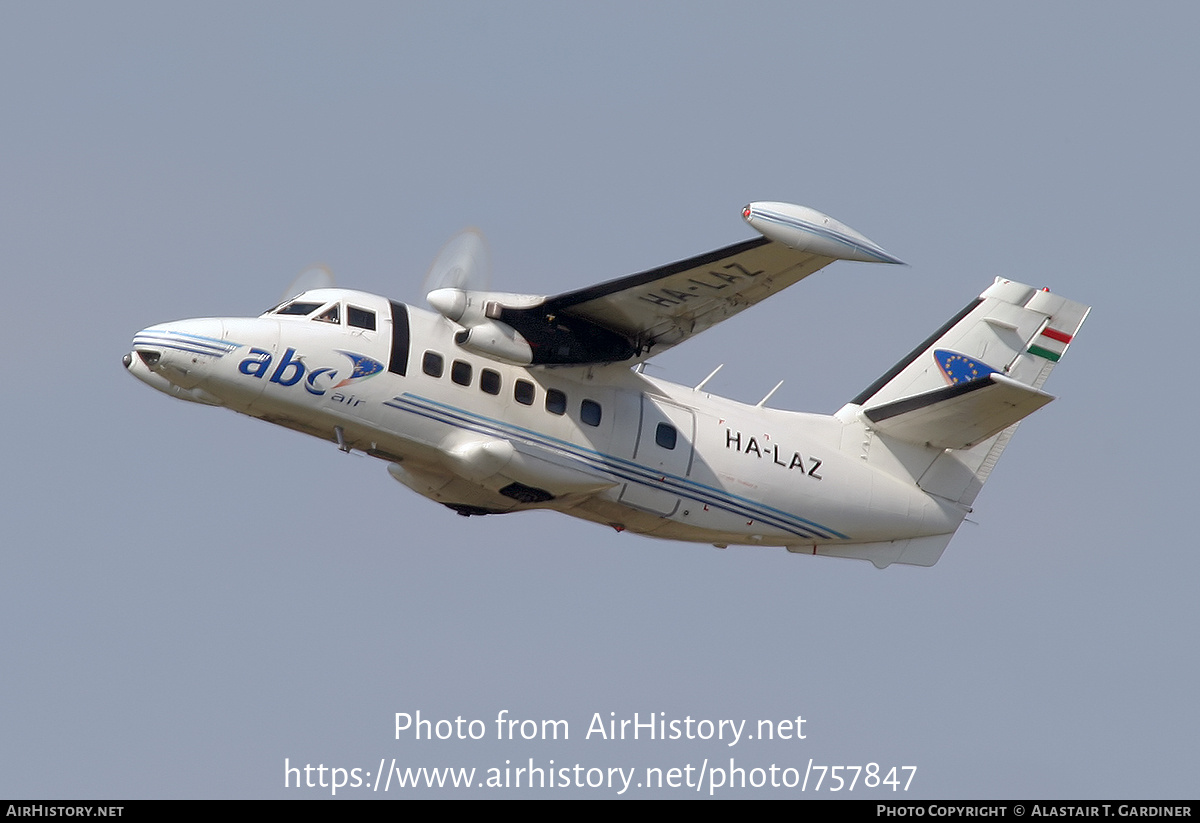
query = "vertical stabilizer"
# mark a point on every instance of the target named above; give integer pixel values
(959, 395)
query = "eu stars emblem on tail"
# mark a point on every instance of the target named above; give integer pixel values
(959, 368)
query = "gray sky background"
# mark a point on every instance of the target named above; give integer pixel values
(192, 596)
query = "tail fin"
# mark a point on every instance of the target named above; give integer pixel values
(965, 388)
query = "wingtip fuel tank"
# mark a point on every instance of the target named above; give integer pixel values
(805, 229)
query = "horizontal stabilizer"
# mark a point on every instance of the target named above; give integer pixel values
(957, 416)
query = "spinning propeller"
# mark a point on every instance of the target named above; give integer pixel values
(457, 288)
(462, 266)
(314, 277)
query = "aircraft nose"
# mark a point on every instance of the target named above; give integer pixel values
(143, 361)
(174, 357)
(147, 354)
(138, 362)
(181, 342)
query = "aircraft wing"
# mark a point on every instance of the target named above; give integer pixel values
(664, 306)
(635, 317)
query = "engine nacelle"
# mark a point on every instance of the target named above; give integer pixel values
(471, 307)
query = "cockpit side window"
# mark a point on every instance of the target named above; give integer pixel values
(360, 318)
(330, 315)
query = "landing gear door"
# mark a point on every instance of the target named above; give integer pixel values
(662, 456)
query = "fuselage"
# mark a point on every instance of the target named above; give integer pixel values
(604, 443)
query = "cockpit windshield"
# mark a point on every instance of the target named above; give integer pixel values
(297, 307)
(331, 313)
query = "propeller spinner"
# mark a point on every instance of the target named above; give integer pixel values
(463, 265)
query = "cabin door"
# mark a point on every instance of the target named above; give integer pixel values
(662, 456)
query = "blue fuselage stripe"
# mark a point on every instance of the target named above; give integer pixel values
(193, 343)
(616, 466)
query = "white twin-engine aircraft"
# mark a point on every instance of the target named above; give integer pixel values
(506, 402)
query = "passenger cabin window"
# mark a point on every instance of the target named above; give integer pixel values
(665, 436)
(330, 315)
(589, 412)
(299, 308)
(460, 373)
(360, 318)
(489, 381)
(556, 401)
(432, 364)
(523, 392)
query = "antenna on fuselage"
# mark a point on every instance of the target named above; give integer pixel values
(711, 375)
(759, 404)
